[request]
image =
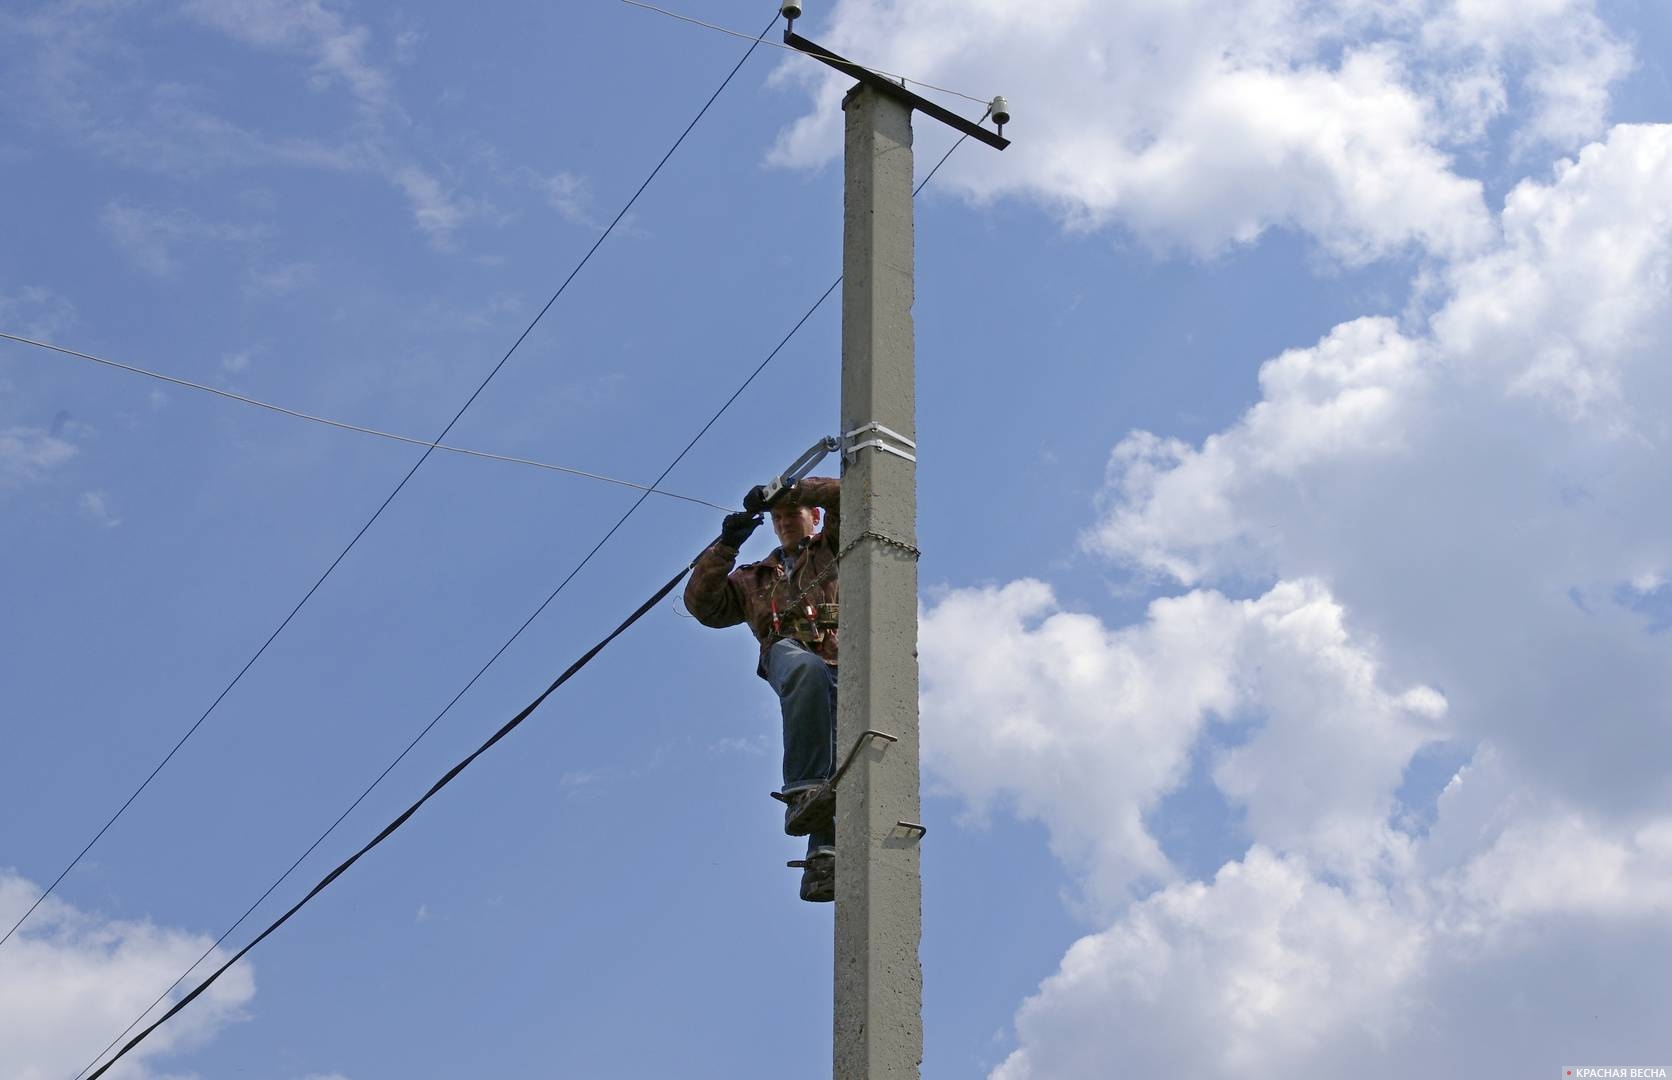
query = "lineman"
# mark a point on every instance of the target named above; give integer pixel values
(789, 601)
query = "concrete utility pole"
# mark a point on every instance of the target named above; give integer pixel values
(879, 891)
(879, 887)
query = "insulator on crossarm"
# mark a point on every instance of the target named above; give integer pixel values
(1001, 112)
(791, 10)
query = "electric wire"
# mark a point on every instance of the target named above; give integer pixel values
(391, 496)
(343, 425)
(747, 382)
(447, 778)
(803, 52)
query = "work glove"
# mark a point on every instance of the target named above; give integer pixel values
(736, 529)
(755, 501)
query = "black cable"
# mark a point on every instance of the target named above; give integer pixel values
(785, 340)
(391, 497)
(447, 778)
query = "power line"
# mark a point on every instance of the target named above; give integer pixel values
(391, 496)
(361, 429)
(803, 52)
(389, 829)
(747, 382)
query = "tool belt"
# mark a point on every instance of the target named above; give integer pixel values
(807, 625)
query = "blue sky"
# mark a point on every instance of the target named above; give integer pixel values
(1290, 403)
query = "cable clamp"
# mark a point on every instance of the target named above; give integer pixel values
(851, 449)
(803, 465)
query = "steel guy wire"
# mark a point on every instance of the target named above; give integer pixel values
(803, 52)
(328, 422)
(390, 498)
(747, 382)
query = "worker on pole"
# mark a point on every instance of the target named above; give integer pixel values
(789, 600)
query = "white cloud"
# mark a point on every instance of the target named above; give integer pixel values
(1203, 123)
(1491, 471)
(1565, 51)
(281, 280)
(35, 311)
(1461, 513)
(570, 196)
(1272, 969)
(1086, 729)
(1240, 977)
(71, 980)
(151, 238)
(1340, 942)
(27, 454)
(83, 78)
(438, 210)
(338, 49)
(79, 76)
(95, 506)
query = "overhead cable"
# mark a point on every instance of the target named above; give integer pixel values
(793, 49)
(388, 499)
(747, 382)
(361, 429)
(389, 829)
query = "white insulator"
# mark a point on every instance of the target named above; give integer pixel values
(790, 9)
(1001, 111)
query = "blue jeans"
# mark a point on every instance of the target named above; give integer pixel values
(806, 687)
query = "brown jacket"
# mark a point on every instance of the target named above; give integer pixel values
(720, 596)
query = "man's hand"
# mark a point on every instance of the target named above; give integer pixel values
(755, 501)
(736, 529)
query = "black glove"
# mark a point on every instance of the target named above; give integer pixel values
(755, 501)
(736, 529)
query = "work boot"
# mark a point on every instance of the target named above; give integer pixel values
(809, 809)
(818, 876)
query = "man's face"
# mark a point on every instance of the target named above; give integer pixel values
(794, 524)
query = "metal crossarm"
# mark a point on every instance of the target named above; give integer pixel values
(895, 90)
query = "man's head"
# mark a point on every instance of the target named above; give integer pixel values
(794, 524)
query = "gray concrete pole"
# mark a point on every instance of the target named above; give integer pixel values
(879, 891)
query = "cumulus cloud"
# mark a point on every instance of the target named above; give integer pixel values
(1201, 124)
(1488, 470)
(1565, 54)
(1086, 728)
(1273, 968)
(72, 980)
(1344, 941)
(1458, 511)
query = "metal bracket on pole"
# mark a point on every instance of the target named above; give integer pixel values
(851, 449)
(895, 90)
(857, 743)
